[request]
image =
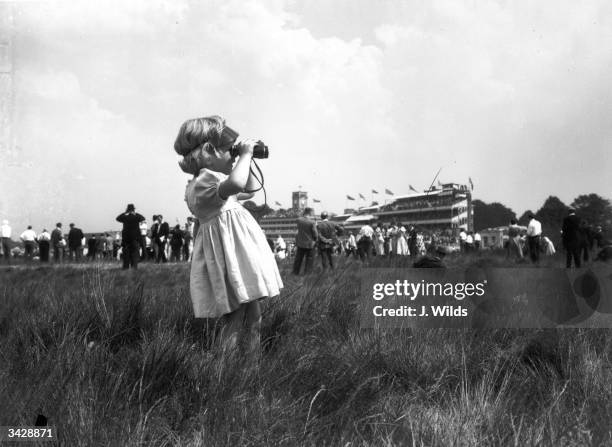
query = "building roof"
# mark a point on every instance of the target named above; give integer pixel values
(419, 194)
(360, 218)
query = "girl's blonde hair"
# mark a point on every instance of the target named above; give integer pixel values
(194, 134)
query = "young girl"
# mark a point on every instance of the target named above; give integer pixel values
(232, 266)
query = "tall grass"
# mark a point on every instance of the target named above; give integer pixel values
(115, 358)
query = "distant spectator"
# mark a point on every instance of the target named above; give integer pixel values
(462, 240)
(187, 239)
(176, 243)
(598, 237)
(5, 240)
(572, 238)
(586, 240)
(364, 242)
(547, 246)
(29, 242)
(477, 241)
(75, 241)
(379, 241)
(328, 233)
(401, 248)
(109, 242)
(117, 241)
(413, 241)
(305, 241)
(101, 246)
(144, 228)
(534, 233)
(469, 242)
(514, 247)
(280, 248)
(130, 236)
(92, 247)
(392, 239)
(58, 243)
(44, 239)
(160, 231)
(351, 245)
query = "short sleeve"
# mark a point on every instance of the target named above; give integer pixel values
(202, 194)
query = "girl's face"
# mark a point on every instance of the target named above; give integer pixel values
(221, 159)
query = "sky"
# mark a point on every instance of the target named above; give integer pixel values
(349, 95)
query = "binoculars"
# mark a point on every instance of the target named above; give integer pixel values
(259, 151)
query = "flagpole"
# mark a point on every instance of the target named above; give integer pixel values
(432, 182)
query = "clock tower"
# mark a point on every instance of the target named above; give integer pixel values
(300, 200)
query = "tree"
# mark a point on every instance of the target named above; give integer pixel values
(524, 219)
(257, 211)
(594, 209)
(551, 216)
(490, 215)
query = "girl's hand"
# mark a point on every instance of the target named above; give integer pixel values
(245, 147)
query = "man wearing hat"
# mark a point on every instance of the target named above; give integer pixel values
(572, 236)
(328, 233)
(130, 236)
(75, 242)
(305, 241)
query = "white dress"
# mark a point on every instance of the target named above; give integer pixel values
(232, 262)
(402, 244)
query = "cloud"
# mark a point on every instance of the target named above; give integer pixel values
(476, 88)
(112, 84)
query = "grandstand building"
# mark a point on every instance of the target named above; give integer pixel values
(447, 207)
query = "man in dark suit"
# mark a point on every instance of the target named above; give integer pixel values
(57, 239)
(328, 232)
(160, 238)
(154, 231)
(130, 236)
(305, 241)
(75, 242)
(572, 238)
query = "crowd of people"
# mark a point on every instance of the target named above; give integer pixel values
(327, 239)
(579, 240)
(161, 243)
(157, 243)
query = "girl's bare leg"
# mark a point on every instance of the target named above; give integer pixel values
(253, 326)
(231, 329)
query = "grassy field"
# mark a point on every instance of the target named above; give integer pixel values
(114, 357)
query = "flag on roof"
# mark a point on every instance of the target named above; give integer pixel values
(374, 191)
(411, 188)
(350, 198)
(361, 196)
(388, 192)
(316, 200)
(440, 183)
(471, 183)
(278, 203)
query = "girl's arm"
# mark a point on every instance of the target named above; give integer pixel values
(250, 185)
(238, 178)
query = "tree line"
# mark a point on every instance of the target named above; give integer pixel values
(595, 209)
